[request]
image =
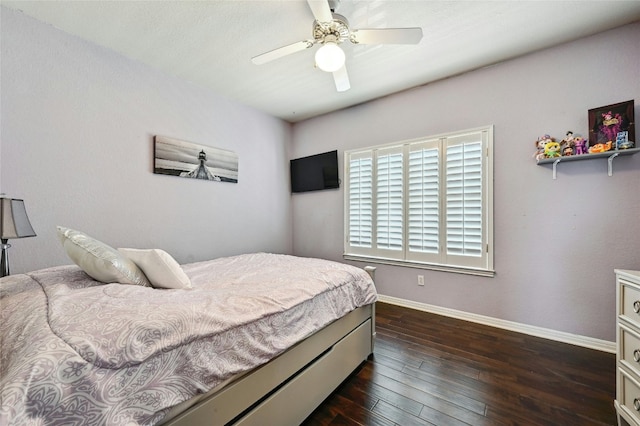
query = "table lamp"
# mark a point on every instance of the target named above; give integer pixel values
(14, 223)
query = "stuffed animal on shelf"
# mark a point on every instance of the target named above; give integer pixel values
(539, 154)
(552, 149)
(540, 146)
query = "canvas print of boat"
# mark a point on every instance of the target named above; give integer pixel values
(186, 159)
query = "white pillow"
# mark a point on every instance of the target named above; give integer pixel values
(100, 261)
(161, 269)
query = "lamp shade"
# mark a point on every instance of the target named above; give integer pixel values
(14, 222)
(330, 57)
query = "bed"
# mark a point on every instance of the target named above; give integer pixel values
(258, 339)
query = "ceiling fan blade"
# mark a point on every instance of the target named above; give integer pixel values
(341, 79)
(387, 36)
(281, 51)
(321, 10)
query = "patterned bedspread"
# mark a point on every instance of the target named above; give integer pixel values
(76, 351)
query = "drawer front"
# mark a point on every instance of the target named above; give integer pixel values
(630, 348)
(630, 301)
(630, 398)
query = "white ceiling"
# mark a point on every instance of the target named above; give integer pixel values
(211, 43)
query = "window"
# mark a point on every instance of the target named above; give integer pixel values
(424, 203)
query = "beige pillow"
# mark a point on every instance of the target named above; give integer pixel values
(100, 261)
(161, 269)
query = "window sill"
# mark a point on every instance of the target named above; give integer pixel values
(419, 265)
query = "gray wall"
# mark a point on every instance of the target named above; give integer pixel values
(556, 241)
(76, 143)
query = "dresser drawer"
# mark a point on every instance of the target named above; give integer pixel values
(629, 400)
(629, 347)
(629, 301)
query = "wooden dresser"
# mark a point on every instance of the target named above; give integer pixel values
(627, 401)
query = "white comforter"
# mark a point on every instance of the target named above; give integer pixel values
(76, 351)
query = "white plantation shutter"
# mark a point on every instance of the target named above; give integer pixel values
(389, 199)
(426, 203)
(464, 195)
(423, 217)
(360, 201)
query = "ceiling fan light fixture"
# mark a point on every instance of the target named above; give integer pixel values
(330, 57)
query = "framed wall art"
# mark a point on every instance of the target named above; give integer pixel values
(190, 160)
(613, 124)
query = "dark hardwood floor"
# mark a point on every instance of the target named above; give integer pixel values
(433, 370)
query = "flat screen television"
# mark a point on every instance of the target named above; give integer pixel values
(315, 172)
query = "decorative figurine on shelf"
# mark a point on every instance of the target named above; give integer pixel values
(580, 145)
(567, 144)
(552, 149)
(600, 147)
(622, 141)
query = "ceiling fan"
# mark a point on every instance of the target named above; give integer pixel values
(330, 30)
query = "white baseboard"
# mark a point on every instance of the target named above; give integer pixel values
(560, 336)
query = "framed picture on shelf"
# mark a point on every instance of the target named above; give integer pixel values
(613, 125)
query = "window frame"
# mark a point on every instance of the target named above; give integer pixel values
(475, 265)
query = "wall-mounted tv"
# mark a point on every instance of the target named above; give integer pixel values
(315, 172)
